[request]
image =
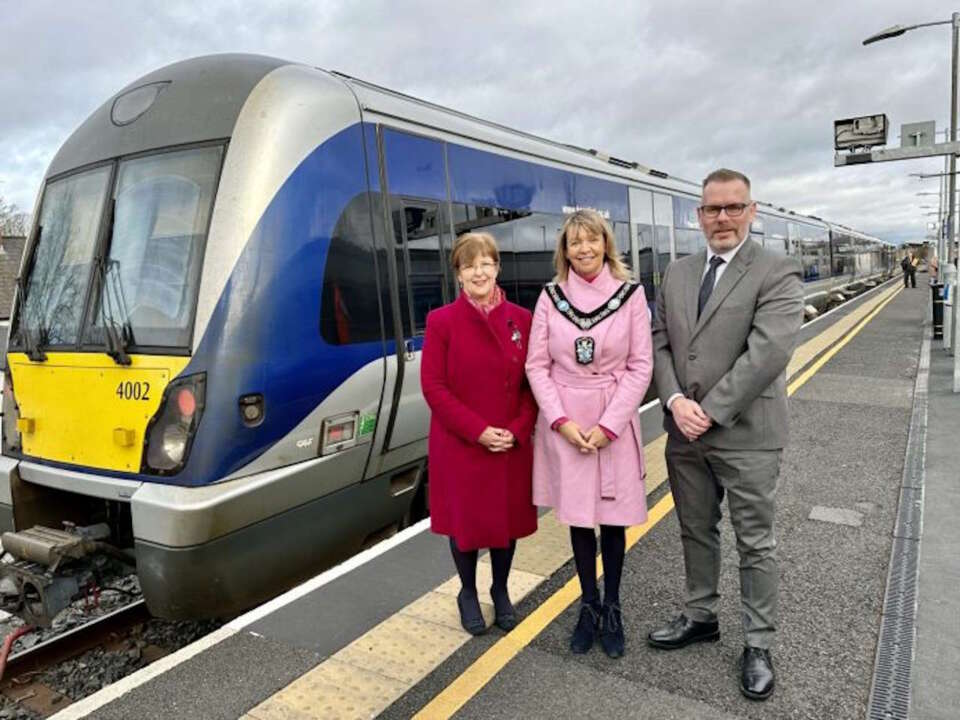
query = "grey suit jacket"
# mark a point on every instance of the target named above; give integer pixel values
(733, 359)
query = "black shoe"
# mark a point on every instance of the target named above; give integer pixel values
(506, 616)
(470, 615)
(682, 631)
(586, 630)
(756, 673)
(611, 631)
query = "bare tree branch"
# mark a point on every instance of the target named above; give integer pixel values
(12, 220)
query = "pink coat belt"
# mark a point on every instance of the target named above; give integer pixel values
(607, 383)
(579, 380)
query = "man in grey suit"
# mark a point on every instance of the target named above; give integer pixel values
(726, 325)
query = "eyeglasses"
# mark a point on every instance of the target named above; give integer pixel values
(487, 267)
(733, 210)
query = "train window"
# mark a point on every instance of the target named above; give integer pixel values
(641, 214)
(526, 241)
(813, 247)
(663, 229)
(417, 230)
(152, 271)
(621, 231)
(349, 311)
(843, 253)
(414, 165)
(775, 235)
(535, 239)
(687, 241)
(422, 227)
(61, 268)
(685, 213)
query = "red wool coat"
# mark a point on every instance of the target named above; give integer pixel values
(472, 375)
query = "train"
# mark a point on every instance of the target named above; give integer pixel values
(213, 361)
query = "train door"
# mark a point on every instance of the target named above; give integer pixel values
(417, 232)
(412, 184)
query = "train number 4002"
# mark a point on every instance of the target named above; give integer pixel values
(133, 390)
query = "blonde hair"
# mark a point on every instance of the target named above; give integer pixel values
(594, 223)
(472, 245)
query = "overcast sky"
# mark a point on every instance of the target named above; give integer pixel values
(678, 85)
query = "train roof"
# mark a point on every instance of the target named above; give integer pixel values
(217, 85)
(405, 110)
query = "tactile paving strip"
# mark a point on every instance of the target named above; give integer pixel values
(333, 690)
(403, 648)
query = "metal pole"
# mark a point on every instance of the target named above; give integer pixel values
(952, 213)
(953, 196)
(942, 220)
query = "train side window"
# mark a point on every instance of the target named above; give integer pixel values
(417, 228)
(775, 232)
(641, 215)
(663, 229)
(621, 231)
(349, 311)
(526, 241)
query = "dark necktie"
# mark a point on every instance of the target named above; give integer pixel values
(706, 287)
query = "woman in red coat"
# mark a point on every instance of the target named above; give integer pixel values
(480, 456)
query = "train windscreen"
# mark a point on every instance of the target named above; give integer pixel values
(148, 282)
(65, 240)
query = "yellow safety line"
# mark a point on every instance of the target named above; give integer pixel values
(474, 678)
(484, 668)
(809, 372)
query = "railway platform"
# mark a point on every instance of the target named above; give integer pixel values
(869, 594)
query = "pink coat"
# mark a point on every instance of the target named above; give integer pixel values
(472, 376)
(608, 487)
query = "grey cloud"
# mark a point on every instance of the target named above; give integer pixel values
(683, 86)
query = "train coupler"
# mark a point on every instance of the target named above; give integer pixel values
(48, 569)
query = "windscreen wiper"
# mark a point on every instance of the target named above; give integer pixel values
(117, 336)
(33, 350)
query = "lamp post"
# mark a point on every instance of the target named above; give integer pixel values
(949, 274)
(897, 31)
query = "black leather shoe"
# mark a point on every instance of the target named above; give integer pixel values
(586, 630)
(471, 616)
(756, 673)
(611, 631)
(682, 631)
(504, 614)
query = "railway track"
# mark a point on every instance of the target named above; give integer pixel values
(23, 683)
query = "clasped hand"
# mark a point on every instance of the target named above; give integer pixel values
(586, 442)
(690, 418)
(496, 439)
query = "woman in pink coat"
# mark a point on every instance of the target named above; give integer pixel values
(480, 455)
(589, 365)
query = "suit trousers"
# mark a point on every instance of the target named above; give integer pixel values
(700, 475)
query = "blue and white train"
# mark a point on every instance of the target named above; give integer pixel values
(214, 354)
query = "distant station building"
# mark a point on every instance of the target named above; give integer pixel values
(11, 250)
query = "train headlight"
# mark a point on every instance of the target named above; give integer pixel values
(172, 429)
(174, 442)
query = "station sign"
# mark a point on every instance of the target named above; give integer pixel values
(860, 132)
(922, 134)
